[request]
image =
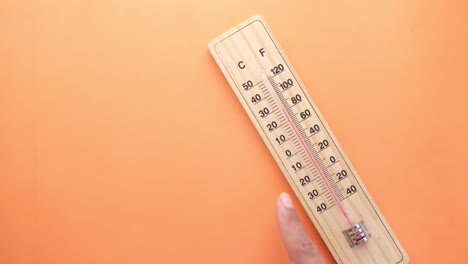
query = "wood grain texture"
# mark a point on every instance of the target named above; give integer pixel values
(302, 143)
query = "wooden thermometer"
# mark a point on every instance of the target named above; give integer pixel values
(304, 147)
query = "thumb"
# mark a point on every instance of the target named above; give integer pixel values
(301, 249)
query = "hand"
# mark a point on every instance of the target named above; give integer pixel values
(301, 249)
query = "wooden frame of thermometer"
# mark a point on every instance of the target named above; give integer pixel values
(303, 145)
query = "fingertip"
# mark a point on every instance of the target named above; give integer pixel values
(296, 240)
(284, 209)
(286, 201)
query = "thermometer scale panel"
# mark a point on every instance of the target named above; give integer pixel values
(303, 146)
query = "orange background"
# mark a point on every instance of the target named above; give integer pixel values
(121, 141)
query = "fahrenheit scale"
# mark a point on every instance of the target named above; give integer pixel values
(304, 147)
